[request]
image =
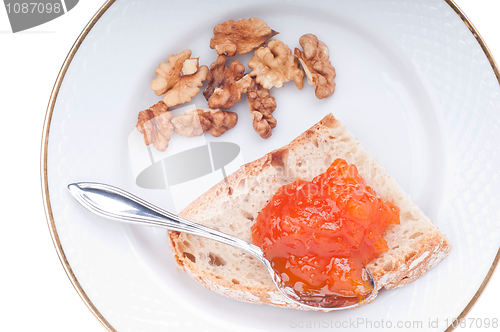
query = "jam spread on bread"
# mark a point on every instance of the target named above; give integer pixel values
(318, 235)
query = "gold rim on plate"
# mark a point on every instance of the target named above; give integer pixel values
(45, 140)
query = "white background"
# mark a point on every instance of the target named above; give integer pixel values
(35, 293)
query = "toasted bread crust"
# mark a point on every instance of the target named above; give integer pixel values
(401, 265)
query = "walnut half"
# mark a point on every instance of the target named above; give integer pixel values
(240, 37)
(195, 122)
(316, 64)
(225, 84)
(262, 105)
(274, 65)
(179, 78)
(154, 124)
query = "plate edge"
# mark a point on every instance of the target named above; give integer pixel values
(496, 71)
(43, 167)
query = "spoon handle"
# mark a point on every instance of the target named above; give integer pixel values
(117, 204)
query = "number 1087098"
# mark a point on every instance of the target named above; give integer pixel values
(33, 7)
(473, 323)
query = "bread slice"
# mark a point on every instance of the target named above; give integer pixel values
(231, 206)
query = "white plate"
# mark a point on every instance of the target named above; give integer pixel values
(413, 85)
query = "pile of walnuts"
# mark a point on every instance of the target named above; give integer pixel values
(273, 64)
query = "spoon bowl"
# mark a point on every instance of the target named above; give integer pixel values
(117, 204)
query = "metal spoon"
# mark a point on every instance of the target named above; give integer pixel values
(117, 204)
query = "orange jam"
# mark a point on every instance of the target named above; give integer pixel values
(320, 234)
